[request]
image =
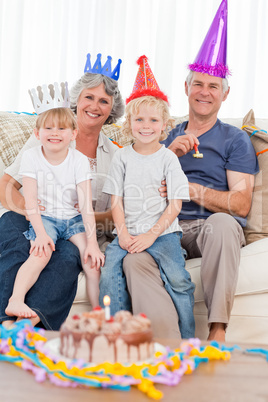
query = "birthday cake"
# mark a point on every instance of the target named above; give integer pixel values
(124, 338)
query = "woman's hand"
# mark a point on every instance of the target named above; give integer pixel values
(183, 144)
(76, 206)
(41, 207)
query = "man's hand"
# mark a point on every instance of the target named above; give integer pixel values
(183, 144)
(163, 189)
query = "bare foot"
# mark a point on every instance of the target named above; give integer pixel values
(34, 321)
(217, 332)
(19, 309)
(8, 323)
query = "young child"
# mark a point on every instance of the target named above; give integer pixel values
(143, 219)
(56, 178)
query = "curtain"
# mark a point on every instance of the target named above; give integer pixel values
(43, 41)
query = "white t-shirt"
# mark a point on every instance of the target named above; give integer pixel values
(56, 185)
(137, 179)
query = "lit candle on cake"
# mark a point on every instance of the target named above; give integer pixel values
(106, 302)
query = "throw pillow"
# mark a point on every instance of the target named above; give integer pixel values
(113, 131)
(15, 129)
(257, 222)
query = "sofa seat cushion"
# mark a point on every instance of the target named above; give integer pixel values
(253, 272)
(248, 322)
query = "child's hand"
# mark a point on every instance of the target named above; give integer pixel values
(141, 242)
(42, 245)
(97, 257)
(125, 240)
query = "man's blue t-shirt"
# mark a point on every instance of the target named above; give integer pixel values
(224, 147)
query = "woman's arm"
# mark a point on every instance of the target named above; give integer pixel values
(10, 197)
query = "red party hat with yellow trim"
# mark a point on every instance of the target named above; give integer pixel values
(145, 83)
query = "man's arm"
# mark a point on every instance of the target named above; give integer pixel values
(236, 201)
(10, 197)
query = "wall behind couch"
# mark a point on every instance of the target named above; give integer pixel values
(47, 40)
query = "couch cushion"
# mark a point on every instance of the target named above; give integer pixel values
(253, 273)
(257, 222)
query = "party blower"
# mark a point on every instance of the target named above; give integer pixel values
(197, 153)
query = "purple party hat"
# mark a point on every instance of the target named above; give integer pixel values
(211, 58)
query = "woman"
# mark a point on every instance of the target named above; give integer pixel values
(96, 100)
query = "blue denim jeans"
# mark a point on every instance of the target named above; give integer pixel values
(168, 254)
(52, 295)
(58, 228)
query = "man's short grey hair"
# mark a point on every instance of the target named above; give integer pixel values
(225, 84)
(88, 81)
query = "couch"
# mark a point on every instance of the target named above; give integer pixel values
(249, 318)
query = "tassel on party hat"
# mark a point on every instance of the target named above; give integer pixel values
(145, 83)
(211, 58)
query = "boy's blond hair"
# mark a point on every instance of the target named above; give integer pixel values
(133, 106)
(65, 118)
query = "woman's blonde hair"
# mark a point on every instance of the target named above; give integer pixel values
(64, 116)
(133, 106)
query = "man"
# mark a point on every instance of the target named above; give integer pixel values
(221, 185)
